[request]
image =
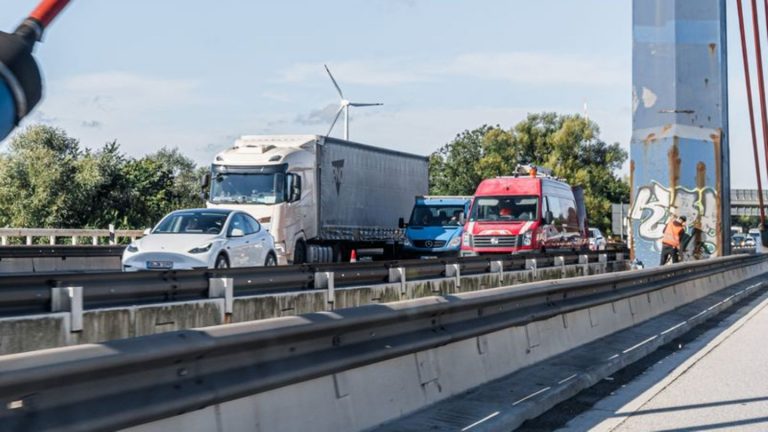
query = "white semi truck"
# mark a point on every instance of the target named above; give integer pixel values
(320, 197)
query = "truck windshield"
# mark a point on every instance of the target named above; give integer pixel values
(505, 208)
(425, 215)
(248, 188)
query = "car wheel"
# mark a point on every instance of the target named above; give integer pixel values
(271, 260)
(300, 253)
(222, 262)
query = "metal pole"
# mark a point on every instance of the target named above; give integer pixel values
(760, 81)
(621, 220)
(751, 110)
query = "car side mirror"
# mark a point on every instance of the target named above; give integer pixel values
(147, 231)
(237, 232)
(401, 223)
(548, 217)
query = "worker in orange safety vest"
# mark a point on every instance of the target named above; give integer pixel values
(670, 243)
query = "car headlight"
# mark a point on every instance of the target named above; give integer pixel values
(466, 239)
(201, 249)
(132, 248)
(456, 241)
(407, 242)
(527, 238)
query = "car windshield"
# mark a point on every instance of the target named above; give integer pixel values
(248, 188)
(197, 222)
(505, 208)
(436, 215)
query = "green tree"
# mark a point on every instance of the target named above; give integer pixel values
(569, 145)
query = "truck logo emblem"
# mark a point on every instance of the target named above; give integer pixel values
(494, 241)
(428, 243)
(338, 166)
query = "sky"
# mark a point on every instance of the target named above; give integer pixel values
(196, 75)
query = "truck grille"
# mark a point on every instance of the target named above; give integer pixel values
(495, 241)
(429, 243)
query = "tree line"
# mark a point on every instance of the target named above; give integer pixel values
(48, 180)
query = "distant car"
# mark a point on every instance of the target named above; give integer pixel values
(202, 238)
(596, 239)
(737, 240)
(749, 242)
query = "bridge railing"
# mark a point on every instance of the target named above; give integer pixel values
(27, 236)
(107, 386)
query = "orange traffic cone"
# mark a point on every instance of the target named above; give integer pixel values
(353, 256)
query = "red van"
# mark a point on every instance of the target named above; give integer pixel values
(532, 212)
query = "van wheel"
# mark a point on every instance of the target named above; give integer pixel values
(271, 260)
(300, 253)
(222, 262)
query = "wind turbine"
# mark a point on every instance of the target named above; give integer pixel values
(344, 106)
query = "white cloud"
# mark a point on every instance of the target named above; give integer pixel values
(517, 67)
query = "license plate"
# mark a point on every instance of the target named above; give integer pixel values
(159, 265)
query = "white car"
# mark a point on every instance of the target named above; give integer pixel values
(596, 239)
(202, 238)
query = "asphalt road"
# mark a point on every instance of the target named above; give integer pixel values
(720, 384)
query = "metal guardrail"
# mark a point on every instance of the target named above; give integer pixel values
(35, 293)
(133, 381)
(59, 251)
(52, 234)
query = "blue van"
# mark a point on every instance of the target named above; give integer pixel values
(435, 227)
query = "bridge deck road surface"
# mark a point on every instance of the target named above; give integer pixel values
(721, 385)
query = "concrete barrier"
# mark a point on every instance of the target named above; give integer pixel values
(29, 333)
(368, 396)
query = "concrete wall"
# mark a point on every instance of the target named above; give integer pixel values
(28, 333)
(365, 397)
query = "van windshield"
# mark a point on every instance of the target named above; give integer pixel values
(426, 215)
(505, 208)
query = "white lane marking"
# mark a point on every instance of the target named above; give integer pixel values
(672, 328)
(639, 344)
(568, 379)
(531, 395)
(480, 421)
(613, 357)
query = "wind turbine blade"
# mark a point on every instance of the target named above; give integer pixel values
(355, 104)
(335, 119)
(334, 81)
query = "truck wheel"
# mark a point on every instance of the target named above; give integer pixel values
(300, 253)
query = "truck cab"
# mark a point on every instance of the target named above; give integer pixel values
(530, 211)
(435, 226)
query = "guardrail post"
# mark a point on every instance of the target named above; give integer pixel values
(584, 263)
(397, 274)
(498, 268)
(52, 240)
(74, 240)
(223, 288)
(532, 265)
(112, 238)
(69, 299)
(559, 261)
(29, 240)
(603, 260)
(4, 240)
(95, 240)
(454, 270)
(326, 280)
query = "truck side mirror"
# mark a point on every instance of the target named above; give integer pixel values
(401, 223)
(205, 179)
(548, 217)
(462, 218)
